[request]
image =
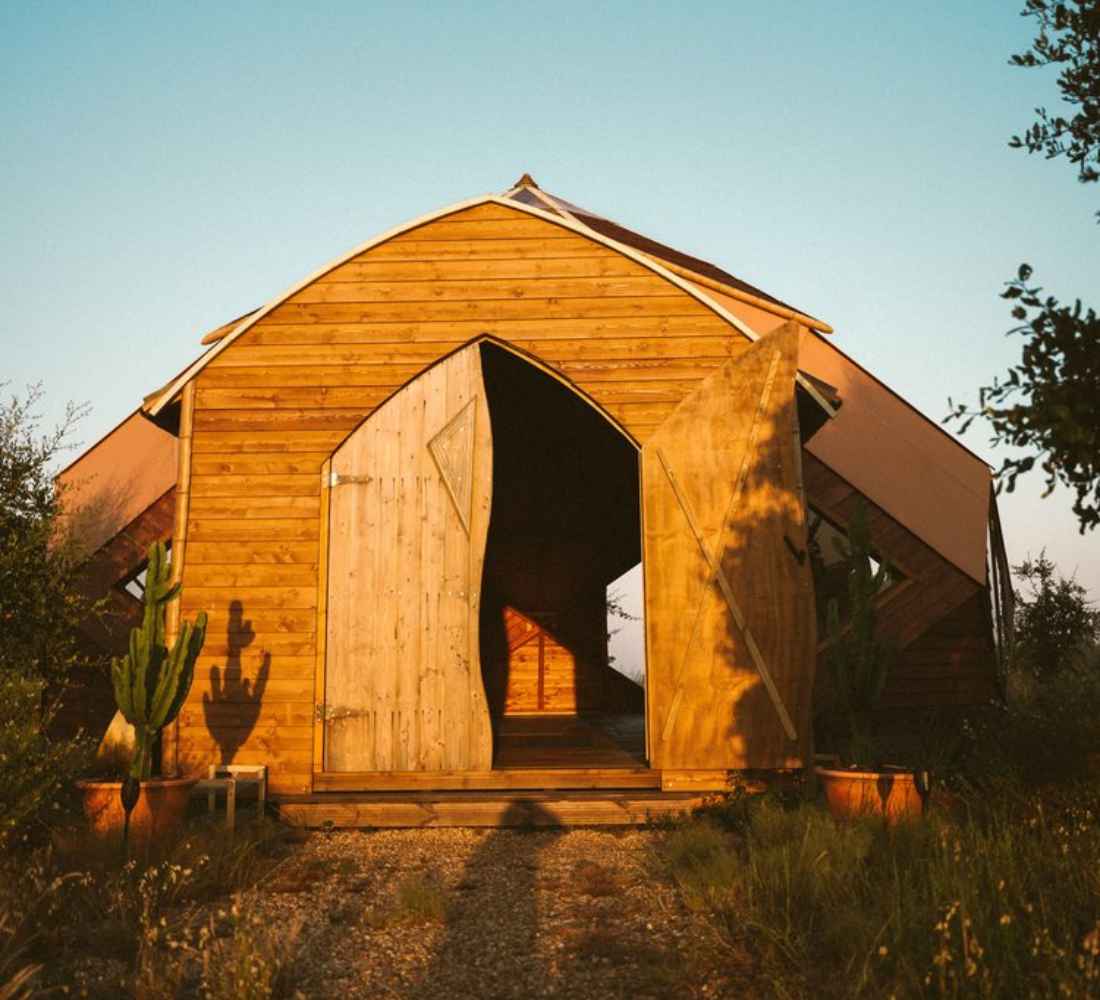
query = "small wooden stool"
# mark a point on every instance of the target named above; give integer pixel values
(226, 777)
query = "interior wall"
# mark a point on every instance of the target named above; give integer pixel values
(565, 523)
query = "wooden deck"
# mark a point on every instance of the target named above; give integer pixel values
(534, 753)
(483, 808)
(570, 741)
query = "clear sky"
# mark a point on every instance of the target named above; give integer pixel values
(166, 168)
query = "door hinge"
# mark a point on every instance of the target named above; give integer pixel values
(335, 479)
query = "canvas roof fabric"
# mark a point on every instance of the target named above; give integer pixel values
(117, 478)
(908, 465)
(620, 234)
(902, 461)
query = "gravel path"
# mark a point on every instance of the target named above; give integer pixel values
(493, 914)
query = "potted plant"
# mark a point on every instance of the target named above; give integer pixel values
(858, 662)
(151, 684)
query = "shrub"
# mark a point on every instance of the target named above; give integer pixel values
(1042, 736)
(41, 611)
(41, 606)
(35, 771)
(1056, 627)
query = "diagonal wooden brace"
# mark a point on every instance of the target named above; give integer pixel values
(731, 601)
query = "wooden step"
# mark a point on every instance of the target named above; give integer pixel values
(534, 779)
(482, 808)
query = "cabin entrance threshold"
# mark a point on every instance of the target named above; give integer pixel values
(533, 753)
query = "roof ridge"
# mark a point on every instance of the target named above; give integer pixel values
(703, 271)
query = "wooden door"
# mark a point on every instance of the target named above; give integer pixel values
(409, 513)
(730, 626)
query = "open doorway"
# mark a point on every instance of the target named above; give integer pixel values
(565, 526)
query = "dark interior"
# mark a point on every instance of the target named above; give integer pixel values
(565, 523)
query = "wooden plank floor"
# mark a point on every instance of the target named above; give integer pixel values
(534, 753)
(570, 741)
(482, 808)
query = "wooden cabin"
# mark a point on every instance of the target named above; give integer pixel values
(403, 487)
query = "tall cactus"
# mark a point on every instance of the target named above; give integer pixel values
(152, 682)
(858, 657)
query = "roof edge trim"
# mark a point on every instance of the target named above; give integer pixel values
(154, 407)
(753, 300)
(650, 263)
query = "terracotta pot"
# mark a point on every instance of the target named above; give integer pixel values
(159, 812)
(891, 793)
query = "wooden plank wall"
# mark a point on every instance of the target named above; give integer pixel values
(936, 614)
(271, 407)
(545, 672)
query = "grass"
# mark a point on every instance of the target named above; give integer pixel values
(75, 902)
(420, 899)
(664, 967)
(704, 861)
(417, 899)
(1001, 899)
(1007, 906)
(593, 879)
(233, 955)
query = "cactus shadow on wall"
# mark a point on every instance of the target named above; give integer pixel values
(232, 705)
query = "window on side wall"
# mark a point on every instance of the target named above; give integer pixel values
(133, 584)
(829, 551)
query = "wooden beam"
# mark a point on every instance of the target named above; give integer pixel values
(474, 809)
(501, 778)
(322, 626)
(170, 736)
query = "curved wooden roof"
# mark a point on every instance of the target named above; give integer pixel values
(155, 403)
(884, 446)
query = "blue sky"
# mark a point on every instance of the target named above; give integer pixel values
(168, 167)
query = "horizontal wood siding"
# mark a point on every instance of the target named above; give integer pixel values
(951, 664)
(271, 407)
(936, 614)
